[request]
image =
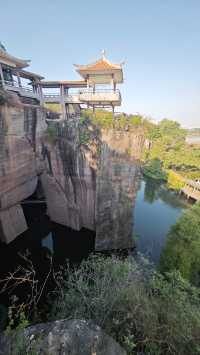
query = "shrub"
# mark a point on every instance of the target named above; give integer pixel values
(135, 120)
(174, 180)
(51, 134)
(154, 170)
(148, 314)
(182, 250)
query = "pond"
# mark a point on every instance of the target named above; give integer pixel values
(156, 210)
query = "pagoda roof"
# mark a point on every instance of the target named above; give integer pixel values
(102, 64)
(27, 74)
(101, 67)
(12, 61)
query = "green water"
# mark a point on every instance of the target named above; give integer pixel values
(156, 210)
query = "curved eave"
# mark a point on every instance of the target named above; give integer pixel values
(27, 74)
(95, 67)
(8, 59)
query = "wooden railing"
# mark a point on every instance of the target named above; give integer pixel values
(86, 96)
(191, 189)
(16, 85)
(100, 95)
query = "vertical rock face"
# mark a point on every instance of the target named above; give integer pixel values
(89, 183)
(19, 145)
(117, 183)
(70, 181)
(130, 142)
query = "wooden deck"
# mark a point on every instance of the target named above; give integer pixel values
(191, 189)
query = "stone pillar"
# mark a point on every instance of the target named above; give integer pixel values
(40, 92)
(62, 100)
(66, 91)
(113, 110)
(1, 76)
(93, 109)
(88, 84)
(19, 80)
(112, 83)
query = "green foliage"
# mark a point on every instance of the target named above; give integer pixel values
(105, 119)
(169, 145)
(182, 250)
(54, 107)
(18, 345)
(135, 120)
(154, 170)
(50, 135)
(153, 133)
(174, 180)
(2, 100)
(84, 137)
(148, 314)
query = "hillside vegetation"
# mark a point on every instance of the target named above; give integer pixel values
(182, 249)
(175, 155)
(169, 158)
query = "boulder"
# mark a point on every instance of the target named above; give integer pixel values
(74, 337)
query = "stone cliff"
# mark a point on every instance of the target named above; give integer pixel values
(69, 180)
(90, 182)
(89, 176)
(20, 129)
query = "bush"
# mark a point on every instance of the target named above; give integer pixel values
(154, 170)
(182, 250)
(174, 181)
(135, 120)
(148, 314)
(51, 135)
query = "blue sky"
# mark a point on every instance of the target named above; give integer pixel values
(159, 40)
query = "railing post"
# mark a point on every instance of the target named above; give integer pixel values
(62, 100)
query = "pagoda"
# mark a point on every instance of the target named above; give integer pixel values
(97, 88)
(102, 78)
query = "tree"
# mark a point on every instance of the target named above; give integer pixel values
(182, 250)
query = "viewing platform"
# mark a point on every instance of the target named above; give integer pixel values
(98, 97)
(106, 97)
(191, 189)
(26, 91)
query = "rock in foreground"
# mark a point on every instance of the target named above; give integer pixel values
(74, 337)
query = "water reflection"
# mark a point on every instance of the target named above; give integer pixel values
(154, 190)
(156, 210)
(44, 238)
